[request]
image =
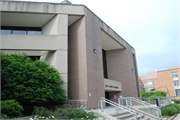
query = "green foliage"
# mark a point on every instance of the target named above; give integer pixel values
(69, 113)
(153, 93)
(176, 101)
(77, 113)
(177, 106)
(169, 110)
(42, 112)
(11, 108)
(30, 82)
(4, 116)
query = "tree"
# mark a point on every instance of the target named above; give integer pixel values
(153, 93)
(30, 82)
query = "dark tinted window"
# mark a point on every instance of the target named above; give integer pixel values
(21, 30)
(104, 64)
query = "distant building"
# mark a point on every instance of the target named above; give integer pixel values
(158, 80)
(92, 59)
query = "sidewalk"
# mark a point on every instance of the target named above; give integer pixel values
(177, 117)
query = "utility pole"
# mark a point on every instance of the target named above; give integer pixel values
(168, 90)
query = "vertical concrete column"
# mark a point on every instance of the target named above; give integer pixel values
(58, 26)
(62, 54)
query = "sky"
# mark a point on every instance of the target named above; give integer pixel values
(152, 27)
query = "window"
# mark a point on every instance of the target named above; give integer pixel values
(20, 30)
(145, 89)
(174, 74)
(176, 82)
(141, 89)
(152, 89)
(148, 83)
(177, 92)
(104, 64)
(140, 83)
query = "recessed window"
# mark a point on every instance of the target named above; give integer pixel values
(140, 83)
(177, 92)
(176, 82)
(148, 83)
(174, 74)
(145, 89)
(152, 89)
(35, 57)
(20, 30)
(5, 31)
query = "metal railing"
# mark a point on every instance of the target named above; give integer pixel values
(78, 103)
(141, 106)
(117, 106)
(157, 100)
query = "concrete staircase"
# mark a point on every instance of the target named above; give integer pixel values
(119, 112)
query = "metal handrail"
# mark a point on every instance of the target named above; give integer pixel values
(144, 103)
(122, 107)
(119, 106)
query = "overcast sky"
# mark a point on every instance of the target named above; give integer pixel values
(152, 27)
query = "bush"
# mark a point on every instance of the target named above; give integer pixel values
(177, 106)
(42, 112)
(77, 113)
(69, 113)
(176, 101)
(30, 82)
(11, 108)
(169, 110)
(4, 116)
(153, 93)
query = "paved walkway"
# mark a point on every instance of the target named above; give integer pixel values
(177, 117)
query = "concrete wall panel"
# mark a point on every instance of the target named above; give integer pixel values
(77, 62)
(120, 64)
(32, 42)
(94, 60)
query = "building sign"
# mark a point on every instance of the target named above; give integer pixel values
(114, 96)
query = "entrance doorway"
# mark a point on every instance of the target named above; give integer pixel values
(107, 97)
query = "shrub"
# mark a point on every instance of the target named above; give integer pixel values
(77, 113)
(177, 106)
(153, 93)
(4, 116)
(30, 82)
(169, 110)
(42, 112)
(176, 101)
(11, 108)
(69, 113)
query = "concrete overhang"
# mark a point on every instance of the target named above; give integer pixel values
(110, 39)
(108, 43)
(112, 85)
(31, 19)
(41, 7)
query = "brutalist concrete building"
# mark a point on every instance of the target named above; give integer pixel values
(92, 59)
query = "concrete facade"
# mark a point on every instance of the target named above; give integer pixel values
(72, 38)
(162, 79)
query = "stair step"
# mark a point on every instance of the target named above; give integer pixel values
(122, 113)
(132, 118)
(125, 116)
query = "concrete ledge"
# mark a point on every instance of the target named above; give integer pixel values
(33, 42)
(111, 85)
(40, 7)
